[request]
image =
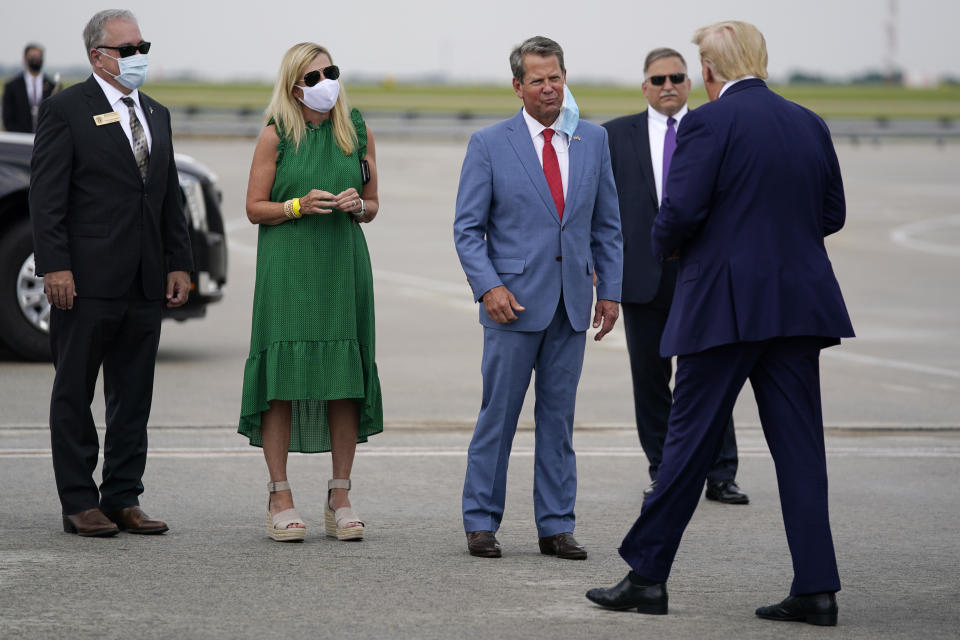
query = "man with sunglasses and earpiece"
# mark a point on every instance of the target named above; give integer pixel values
(641, 147)
(112, 244)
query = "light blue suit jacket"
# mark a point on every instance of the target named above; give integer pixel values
(507, 230)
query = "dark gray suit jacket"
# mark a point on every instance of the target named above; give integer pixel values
(637, 192)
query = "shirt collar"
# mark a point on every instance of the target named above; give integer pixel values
(113, 94)
(730, 83)
(656, 116)
(536, 128)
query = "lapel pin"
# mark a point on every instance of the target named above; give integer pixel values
(577, 138)
(151, 110)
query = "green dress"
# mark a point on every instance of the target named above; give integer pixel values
(313, 327)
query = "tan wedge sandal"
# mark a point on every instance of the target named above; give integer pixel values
(337, 523)
(279, 526)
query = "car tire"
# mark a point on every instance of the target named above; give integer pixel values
(20, 335)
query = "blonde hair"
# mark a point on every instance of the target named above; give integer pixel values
(284, 108)
(732, 49)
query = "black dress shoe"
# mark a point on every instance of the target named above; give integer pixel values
(647, 598)
(814, 608)
(649, 490)
(563, 545)
(483, 544)
(726, 492)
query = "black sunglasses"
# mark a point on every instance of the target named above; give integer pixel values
(675, 78)
(327, 73)
(127, 50)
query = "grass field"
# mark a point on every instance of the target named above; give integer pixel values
(827, 100)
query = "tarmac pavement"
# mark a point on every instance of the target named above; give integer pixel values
(893, 440)
(895, 507)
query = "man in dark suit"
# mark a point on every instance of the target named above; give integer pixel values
(23, 93)
(111, 241)
(754, 187)
(641, 148)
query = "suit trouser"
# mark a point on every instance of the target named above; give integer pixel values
(122, 334)
(556, 354)
(785, 376)
(643, 325)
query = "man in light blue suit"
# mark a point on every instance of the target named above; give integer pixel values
(537, 218)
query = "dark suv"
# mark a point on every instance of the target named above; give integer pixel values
(24, 310)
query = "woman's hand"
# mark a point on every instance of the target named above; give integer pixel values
(349, 201)
(318, 201)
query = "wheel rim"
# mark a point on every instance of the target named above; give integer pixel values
(31, 299)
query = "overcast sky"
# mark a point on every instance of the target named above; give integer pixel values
(470, 41)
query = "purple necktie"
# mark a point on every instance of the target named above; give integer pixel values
(669, 145)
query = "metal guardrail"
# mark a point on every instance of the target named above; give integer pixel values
(193, 121)
(875, 130)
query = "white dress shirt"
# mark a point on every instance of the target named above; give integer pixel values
(561, 145)
(114, 97)
(730, 83)
(34, 88)
(657, 132)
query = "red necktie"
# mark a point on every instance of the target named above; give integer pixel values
(551, 169)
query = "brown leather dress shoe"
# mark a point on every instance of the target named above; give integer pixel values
(134, 520)
(483, 544)
(90, 524)
(563, 545)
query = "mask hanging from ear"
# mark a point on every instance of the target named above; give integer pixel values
(569, 116)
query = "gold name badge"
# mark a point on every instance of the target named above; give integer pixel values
(106, 118)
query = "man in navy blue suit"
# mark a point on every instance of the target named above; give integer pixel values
(754, 187)
(641, 148)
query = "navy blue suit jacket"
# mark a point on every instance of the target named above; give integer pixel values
(637, 193)
(754, 187)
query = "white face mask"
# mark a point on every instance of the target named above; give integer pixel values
(322, 96)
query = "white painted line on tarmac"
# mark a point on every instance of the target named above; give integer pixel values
(458, 296)
(906, 236)
(891, 364)
(241, 247)
(522, 452)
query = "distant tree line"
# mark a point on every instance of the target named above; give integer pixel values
(868, 77)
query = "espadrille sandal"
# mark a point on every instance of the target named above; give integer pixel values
(280, 526)
(342, 524)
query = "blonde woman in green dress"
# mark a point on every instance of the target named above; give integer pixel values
(310, 382)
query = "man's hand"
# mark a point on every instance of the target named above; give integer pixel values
(607, 312)
(178, 288)
(500, 305)
(60, 289)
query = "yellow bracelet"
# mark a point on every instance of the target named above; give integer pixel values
(296, 208)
